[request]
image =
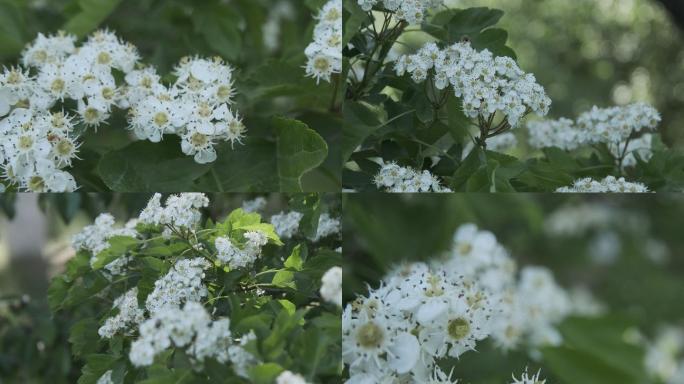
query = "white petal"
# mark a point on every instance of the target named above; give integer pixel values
(431, 310)
(404, 353)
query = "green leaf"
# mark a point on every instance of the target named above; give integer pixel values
(284, 279)
(158, 374)
(263, 165)
(594, 351)
(12, 30)
(144, 166)
(118, 246)
(96, 365)
(474, 162)
(354, 22)
(309, 205)
(454, 25)
(83, 337)
(219, 26)
(360, 121)
(265, 373)
(294, 261)
(288, 305)
(285, 327)
(299, 150)
(93, 12)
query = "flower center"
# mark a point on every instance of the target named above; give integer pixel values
(91, 114)
(236, 128)
(57, 85)
(198, 140)
(370, 335)
(204, 110)
(25, 142)
(104, 58)
(321, 64)
(160, 119)
(333, 15)
(224, 92)
(36, 184)
(40, 56)
(435, 289)
(58, 120)
(465, 248)
(107, 93)
(146, 82)
(14, 77)
(64, 147)
(458, 328)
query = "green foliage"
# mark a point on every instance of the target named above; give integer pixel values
(293, 153)
(277, 298)
(393, 119)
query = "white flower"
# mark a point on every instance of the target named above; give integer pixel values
(324, 54)
(236, 257)
(181, 211)
(331, 286)
(287, 377)
(327, 225)
(608, 185)
(190, 327)
(95, 238)
(256, 205)
(396, 179)
(129, 314)
(286, 224)
(487, 84)
(183, 283)
(413, 11)
(525, 378)
(422, 313)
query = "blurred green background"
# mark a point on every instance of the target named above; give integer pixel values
(626, 250)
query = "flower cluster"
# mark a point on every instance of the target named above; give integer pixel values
(180, 211)
(39, 139)
(287, 377)
(413, 11)
(190, 327)
(172, 311)
(255, 205)
(608, 185)
(327, 225)
(196, 107)
(331, 287)
(664, 359)
(325, 51)
(95, 239)
(617, 127)
(286, 224)
(183, 283)
(487, 84)
(425, 312)
(130, 315)
(236, 257)
(397, 179)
